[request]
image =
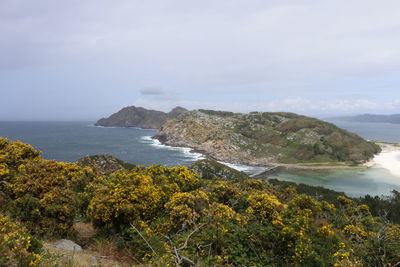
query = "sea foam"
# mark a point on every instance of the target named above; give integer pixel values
(243, 168)
(188, 153)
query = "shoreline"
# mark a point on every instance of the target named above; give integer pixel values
(389, 152)
(388, 159)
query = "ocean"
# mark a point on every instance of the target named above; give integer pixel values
(69, 141)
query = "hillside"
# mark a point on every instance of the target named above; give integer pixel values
(265, 138)
(104, 164)
(172, 216)
(139, 117)
(394, 118)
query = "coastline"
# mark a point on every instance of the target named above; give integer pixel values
(386, 159)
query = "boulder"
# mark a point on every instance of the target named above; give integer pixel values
(67, 245)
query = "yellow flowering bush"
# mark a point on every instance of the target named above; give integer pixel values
(307, 202)
(326, 231)
(17, 248)
(354, 232)
(169, 216)
(224, 192)
(4, 169)
(344, 201)
(16, 153)
(43, 193)
(123, 198)
(266, 207)
(185, 207)
(179, 177)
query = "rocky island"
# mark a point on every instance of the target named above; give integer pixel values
(139, 117)
(264, 139)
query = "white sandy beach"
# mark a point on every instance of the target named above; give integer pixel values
(388, 159)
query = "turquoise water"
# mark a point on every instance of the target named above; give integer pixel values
(373, 181)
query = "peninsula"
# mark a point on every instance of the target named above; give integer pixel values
(264, 139)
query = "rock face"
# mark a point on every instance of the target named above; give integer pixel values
(104, 163)
(262, 139)
(211, 169)
(139, 117)
(67, 245)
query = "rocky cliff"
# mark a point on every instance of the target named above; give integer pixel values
(139, 117)
(263, 138)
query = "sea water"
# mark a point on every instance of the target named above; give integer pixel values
(69, 141)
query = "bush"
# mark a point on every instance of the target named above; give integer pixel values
(17, 248)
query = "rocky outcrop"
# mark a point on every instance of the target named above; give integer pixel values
(104, 163)
(211, 169)
(262, 139)
(67, 245)
(139, 117)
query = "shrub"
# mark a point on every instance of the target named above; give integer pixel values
(44, 194)
(17, 248)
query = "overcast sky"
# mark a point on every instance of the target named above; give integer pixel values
(69, 60)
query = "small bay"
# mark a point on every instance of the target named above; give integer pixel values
(374, 180)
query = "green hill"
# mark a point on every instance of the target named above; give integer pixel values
(261, 138)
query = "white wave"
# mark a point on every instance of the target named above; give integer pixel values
(146, 139)
(389, 160)
(98, 126)
(188, 153)
(115, 127)
(243, 168)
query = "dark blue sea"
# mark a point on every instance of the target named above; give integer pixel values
(69, 141)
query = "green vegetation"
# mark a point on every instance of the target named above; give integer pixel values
(261, 138)
(211, 169)
(304, 139)
(385, 207)
(164, 216)
(104, 164)
(217, 112)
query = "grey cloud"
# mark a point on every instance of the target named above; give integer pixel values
(152, 90)
(211, 52)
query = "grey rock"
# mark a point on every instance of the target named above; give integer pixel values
(67, 245)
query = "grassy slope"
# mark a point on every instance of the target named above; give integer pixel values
(292, 138)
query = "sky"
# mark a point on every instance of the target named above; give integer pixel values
(83, 60)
